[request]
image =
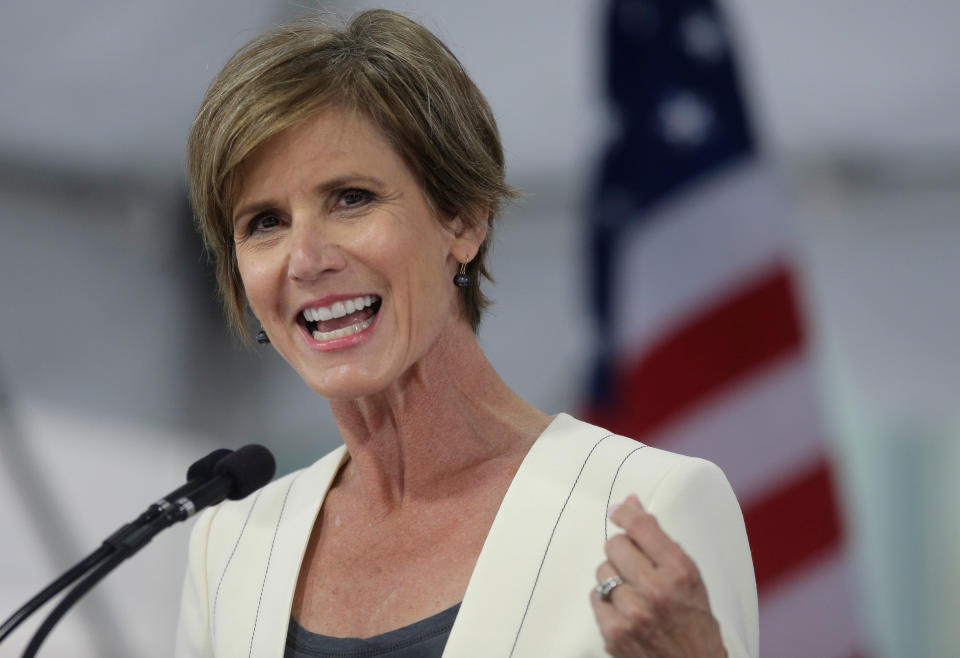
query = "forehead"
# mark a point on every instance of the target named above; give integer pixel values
(332, 143)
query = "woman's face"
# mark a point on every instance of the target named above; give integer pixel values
(342, 259)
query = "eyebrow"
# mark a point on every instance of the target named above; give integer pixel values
(346, 180)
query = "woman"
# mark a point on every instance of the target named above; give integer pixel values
(346, 180)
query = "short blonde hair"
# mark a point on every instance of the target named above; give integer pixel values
(389, 68)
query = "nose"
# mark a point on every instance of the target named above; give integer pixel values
(312, 252)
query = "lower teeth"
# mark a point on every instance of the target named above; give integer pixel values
(340, 333)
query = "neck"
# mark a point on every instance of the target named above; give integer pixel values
(447, 423)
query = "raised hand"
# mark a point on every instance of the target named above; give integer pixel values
(651, 601)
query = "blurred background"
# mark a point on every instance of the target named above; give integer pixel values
(738, 242)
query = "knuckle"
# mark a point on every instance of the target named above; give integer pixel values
(610, 544)
(601, 571)
(688, 566)
(641, 524)
(616, 544)
(608, 628)
(617, 636)
(652, 520)
(685, 578)
(658, 599)
(684, 574)
(635, 526)
(639, 616)
(627, 644)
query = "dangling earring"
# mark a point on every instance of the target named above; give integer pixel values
(462, 279)
(263, 338)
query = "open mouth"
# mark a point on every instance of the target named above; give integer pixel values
(343, 318)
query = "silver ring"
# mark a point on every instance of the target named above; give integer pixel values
(604, 590)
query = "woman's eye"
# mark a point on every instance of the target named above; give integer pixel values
(262, 223)
(354, 197)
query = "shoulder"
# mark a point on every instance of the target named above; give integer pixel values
(693, 503)
(648, 472)
(687, 494)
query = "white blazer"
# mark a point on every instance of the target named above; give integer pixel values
(528, 596)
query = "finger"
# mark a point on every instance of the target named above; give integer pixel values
(620, 638)
(626, 598)
(633, 565)
(629, 599)
(611, 623)
(645, 531)
(615, 629)
(604, 572)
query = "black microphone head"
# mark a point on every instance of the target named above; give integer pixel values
(250, 467)
(203, 467)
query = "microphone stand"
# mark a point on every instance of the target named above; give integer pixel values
(216, 477)
(120, 542)
(54, 588)
(129, 541)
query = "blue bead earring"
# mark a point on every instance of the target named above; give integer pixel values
(462, 279)
(262, 337)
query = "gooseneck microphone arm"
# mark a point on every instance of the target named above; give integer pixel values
(235, 476)
(200, 472)
(221, 474)
(54, 588)
(111, 562)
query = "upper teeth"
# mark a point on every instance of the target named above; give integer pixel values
(338, 309)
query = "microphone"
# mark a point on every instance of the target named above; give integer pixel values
(202, 468)
(201, 472)
(198, 473)
(221, 474)
(235, 477)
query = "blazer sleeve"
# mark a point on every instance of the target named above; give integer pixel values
(696, 506)
(193, 627)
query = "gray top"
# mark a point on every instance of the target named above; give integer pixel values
(422, 639)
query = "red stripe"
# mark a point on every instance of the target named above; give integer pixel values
(794, 524)
(743, 332)
(747, 330)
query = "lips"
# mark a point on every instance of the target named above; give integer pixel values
(341, 318)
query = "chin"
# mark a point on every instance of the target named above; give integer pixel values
(344, 386)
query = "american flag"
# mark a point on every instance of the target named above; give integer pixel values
(702, 342)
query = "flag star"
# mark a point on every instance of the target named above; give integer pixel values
(685, 120)
(702, 36)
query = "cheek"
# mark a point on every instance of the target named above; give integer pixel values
(425, 265)
(258, 278)
(433, 302)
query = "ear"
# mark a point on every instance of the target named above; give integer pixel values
(469, 231)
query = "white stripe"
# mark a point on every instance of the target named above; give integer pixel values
(812, 614)
(759, 431)
(695, 247)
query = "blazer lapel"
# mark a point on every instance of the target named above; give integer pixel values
(294, 521)
(497, 604)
